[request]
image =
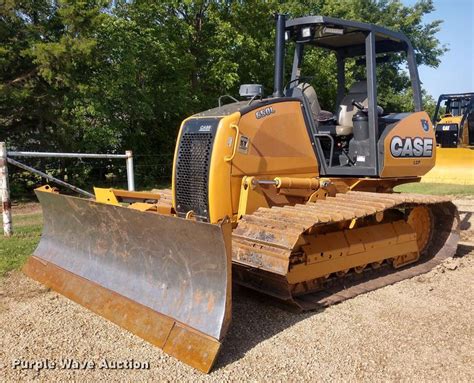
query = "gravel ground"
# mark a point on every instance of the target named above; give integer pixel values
(418, 329)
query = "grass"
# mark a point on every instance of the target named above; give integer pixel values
(433, 188)
(15, 250)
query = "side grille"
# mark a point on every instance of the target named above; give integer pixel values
(192, 168)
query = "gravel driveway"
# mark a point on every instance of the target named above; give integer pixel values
(418, 329)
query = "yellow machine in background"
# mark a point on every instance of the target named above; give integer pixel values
(269, 193)
(454, 125)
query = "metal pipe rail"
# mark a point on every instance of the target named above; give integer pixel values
(128, 156)
(6, 157)
(50, 178)
(65, 155)
(5, 193)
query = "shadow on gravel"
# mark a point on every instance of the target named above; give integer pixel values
(465, 220)
(464, 249)
(255, 318)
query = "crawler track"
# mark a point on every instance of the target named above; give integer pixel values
(266, 244)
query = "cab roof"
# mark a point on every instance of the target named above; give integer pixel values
(346, 37)
(452, 96)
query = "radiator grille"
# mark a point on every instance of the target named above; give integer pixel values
(194, 155)
(447, 135)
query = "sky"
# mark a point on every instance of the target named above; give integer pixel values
(455, 73)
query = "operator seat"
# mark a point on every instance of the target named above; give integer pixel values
(319, 116)
(312, 99)
(357, 92)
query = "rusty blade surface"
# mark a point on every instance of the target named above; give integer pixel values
(176, 268)
(191, 347)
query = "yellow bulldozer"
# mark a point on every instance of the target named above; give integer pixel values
(271, 193)
(454, 127)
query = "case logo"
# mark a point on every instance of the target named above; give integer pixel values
(411, 147)
(425, 125)
(205, 128)
(264, 112)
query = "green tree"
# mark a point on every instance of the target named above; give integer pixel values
(47, 47)
(97, 75)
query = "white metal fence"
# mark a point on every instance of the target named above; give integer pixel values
(6, 158)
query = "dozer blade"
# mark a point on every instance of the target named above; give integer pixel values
(453, 166)
(165, 279)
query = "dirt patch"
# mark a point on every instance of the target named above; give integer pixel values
(25, 208)
(15, 286)
(418, 329)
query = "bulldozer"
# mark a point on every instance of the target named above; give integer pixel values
(270, 193)
(454, 127)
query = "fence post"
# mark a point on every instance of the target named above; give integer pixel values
(5, 192)
(130, 173)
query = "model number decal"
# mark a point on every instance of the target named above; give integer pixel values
(264, 112)
(411, 147)
(244, 144)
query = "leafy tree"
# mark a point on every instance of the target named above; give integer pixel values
(97, 75)
(46, 50)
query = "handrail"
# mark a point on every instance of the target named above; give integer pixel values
(234, 150)
(331, 152)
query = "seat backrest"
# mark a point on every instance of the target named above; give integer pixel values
(312, 98)
(357, 92)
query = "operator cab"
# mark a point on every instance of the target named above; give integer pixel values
(346, 135)
(454, 119)
(454, 105)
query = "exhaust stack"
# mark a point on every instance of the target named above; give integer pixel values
(279, 54)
